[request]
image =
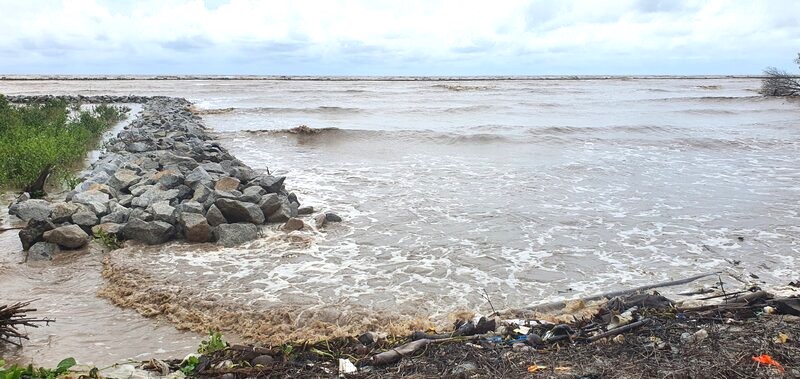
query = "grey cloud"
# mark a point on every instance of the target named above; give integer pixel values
(187, 43)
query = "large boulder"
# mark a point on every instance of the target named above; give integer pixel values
(168, 179)
(195, 227)
(62, 212)
(34, 209)
(284, 213)
(96, 201)
(253, 194)
(43, 251)
(230, 235)
(123, 179)
(198, 176)
(151, 233)
(215, 217)
(162, 211)
(239, 211)
(70, 236)
(269, 204)
(85, 218)
(155, 194)
(271, 183)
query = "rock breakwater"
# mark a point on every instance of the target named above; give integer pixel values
(162, 178)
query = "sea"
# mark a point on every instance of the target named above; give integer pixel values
(454, 193)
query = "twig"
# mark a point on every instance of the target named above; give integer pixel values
(486, 296)
(620, 330)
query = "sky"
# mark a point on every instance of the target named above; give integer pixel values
(402, 37)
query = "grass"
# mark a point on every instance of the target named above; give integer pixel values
(53, 137)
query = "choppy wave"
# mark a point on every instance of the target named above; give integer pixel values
(282, 110)
(462, 87)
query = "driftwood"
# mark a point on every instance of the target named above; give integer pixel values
(12, 317)
(37, 187)
(396, 354)
(620, 330)
(549, 307)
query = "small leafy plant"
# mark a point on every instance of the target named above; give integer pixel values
(109, 240)
(213, 344)
(18, 372)
(189, 365)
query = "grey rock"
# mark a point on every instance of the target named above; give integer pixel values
(34, 209)
(43, 251)
(162, 211)
(85, 217)
(125, 200)
(184, 191)
(151, 233)
(293, 224)
(253, 194)
(115, 217)
(239, 211)
(140, 189)
(198, 176)
(271, 183)
(123, 179)
(140, 214)
(195, 227)
(269, 204)
(234, 195)
(168, 179)
(155, 194)
(307, 210)
(96, 201)
(201, 193)
(283, 214)
(244, 174)
(213, 167)
(62, 212)
(332, 217)
(107, 228)
(190, 206)
(70, 236)
(214, 216)
(230, 235)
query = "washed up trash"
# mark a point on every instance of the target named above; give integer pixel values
(347, 367)
(622, 319)
(695, 337)
(765, 359)
(781, 338)
(558, 333)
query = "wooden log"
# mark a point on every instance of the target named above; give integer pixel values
(549, 307)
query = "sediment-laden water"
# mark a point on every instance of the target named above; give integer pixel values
(532, 190)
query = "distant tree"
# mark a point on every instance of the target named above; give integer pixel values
(780, 83)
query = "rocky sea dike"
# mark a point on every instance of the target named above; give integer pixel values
(162, 178)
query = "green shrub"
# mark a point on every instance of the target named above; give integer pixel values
(18, 372)
(38, 137)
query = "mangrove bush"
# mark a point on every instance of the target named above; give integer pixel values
(37, 140)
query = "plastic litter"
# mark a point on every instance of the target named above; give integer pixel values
(347, 367)
(767, 360)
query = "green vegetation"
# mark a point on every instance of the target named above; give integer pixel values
(109, 240)
(215, 343)
(17, 372)
(37, 140)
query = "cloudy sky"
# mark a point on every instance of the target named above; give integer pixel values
(403, 37)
